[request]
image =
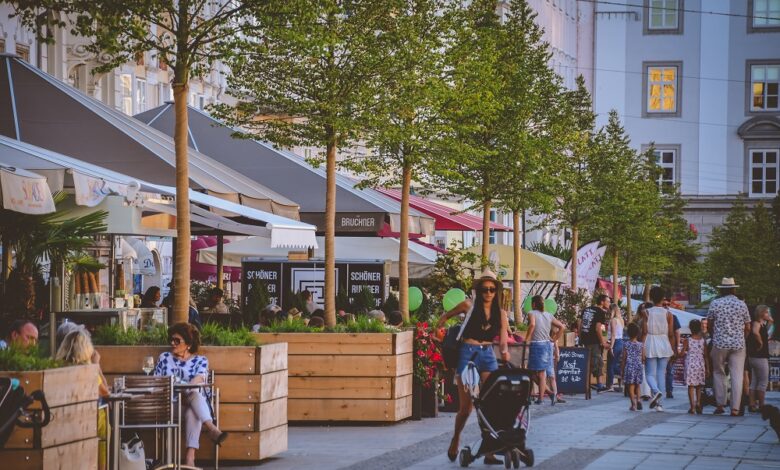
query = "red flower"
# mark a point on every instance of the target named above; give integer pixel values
(420, 353)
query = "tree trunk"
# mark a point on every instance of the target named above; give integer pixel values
(517, 295)
(615, 284)
(646, 295)
(575, 238)
(330, 234)
(629, 312)
(182, 274)
(485, 233)
(403, 249)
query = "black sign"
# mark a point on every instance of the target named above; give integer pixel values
(348, 222)
(283, 277)
(573, 373)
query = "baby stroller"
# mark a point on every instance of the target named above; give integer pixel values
(13, 409)
(502, 406)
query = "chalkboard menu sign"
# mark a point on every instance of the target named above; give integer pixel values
(573, 373)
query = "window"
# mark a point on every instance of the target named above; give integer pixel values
(126, 84)
(764, 14)
(663, 17)
(662, 89)
(764, 87)
(165, 93)
(23, 52)
(666, 160)
(763, 172)
(140, 95)
(492, 236)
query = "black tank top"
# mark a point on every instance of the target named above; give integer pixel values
(479, 329)
(752, 344)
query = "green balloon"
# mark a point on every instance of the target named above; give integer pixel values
(550, 306)
(527, 305)
(452, 298)
(415, 298)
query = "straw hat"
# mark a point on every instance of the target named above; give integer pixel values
(488, 275)
(727, 283)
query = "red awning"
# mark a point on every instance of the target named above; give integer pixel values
(445, 219)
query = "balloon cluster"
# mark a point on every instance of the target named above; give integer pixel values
(549, 305)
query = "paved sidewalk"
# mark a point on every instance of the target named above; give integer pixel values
(596, 434)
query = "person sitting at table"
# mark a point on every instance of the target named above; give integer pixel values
(77, 349)
(214, 304)
(188, 367)
(22, 334)
(151, 297)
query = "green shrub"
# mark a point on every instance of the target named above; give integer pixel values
(361, 324)
(15, 359)
(211, 335)
(217, 335)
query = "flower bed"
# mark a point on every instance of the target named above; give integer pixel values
(348, 376)
(252, 381)
(70, 439)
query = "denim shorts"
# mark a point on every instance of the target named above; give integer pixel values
(484, 359)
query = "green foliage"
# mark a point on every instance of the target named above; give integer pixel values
(15, 359)
(747, 248)
(211, 335)
(363, 302)
(257, 299)
(391, 303)
(452, 269)
(342, 300)
(562, 252)
(570, 304)
(361, 324)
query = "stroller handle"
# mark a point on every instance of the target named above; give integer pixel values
(506, 364)
(37, 395)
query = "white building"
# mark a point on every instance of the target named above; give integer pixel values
(699, 79)
(131, 88)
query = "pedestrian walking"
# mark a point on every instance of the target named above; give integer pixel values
(631, 366)
(615, 336)
(696, 366)
(659, 335)
(758, 356)
(538, 336)
(590, 330)
(729, 321)
(641, 320)
(675, 349)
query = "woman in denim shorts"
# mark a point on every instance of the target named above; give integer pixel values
(538, 336)
(487, 321)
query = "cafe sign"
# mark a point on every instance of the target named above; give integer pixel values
(348, 222)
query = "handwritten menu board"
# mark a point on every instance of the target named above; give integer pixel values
(573, 373)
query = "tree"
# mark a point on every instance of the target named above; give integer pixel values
(464, 161)
(309, 74)
(406, 121)
(576, 195)
(747, 248)
(35, 238)
(528, 124)
(184, 35)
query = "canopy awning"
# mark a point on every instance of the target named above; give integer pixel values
(135, 249)
(358, 211)
(534, 267)
(446, 218)
(421, 258)
(39, 109)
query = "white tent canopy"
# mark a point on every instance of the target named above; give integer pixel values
(421, 258)
(135, 249)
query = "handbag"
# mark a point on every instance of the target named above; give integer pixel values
(450, 348)
(132, 455)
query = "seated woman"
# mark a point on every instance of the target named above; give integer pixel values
(76, 348)
(151, 297)
(188, 367)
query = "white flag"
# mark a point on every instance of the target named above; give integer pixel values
(26, 192)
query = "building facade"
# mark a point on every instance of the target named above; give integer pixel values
(699, 81)
(132, 88)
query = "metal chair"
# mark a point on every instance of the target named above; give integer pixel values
(155, 410)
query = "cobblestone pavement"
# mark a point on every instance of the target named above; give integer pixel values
(595, 434)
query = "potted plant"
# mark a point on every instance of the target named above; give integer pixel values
(428, 363)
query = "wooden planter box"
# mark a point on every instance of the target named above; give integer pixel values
(70, 439)
(252, 382)
(348, 376)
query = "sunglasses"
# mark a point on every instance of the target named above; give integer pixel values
(487, 289)
(174, 340)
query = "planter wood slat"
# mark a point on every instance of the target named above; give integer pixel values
(68, 423)
(252, 382)
(75, 455)
(348, 376)
(349, 410)
(61, 386)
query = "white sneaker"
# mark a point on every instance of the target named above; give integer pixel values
(659, 407)
(656, 398)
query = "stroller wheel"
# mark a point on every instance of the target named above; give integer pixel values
(528, 460)
(508, 459)
(464, 458)
(516, 454)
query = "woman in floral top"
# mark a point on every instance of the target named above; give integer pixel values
(186, 366)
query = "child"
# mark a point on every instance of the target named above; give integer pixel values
(632, 364)
(696, 366)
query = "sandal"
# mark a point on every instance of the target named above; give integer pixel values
(718, 411)
(452, 454)
(753, 409)
(690, 411)
(699, 410)
(735, 413)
